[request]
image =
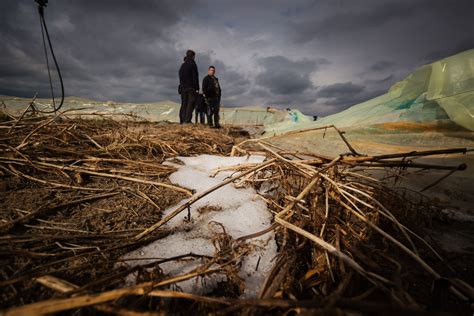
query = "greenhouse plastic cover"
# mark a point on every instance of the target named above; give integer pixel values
(443, 90)
(165, 111)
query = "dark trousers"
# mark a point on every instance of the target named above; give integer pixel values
(214, 106)
(201, 117)
(181, 110)
(188, 102)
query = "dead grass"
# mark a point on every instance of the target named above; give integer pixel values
(78, 194)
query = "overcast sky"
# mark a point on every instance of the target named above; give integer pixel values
(319, 56)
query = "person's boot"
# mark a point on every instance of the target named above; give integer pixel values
(216, 122)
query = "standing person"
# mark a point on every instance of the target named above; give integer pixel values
(181, 109)
(212, 92)
(189, 84)
(201, 108)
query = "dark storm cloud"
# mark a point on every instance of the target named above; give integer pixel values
(444, 51)
(385, 80)
(352, 21)
(266, 53)
(283, 82)
(283, 76)
(344, 94)
(385, 16)
(106, 49)
(233, 83)
(339, 89)
(382, 65)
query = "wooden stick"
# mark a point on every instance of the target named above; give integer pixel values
(63, 286)
(56, 284)
(439, 180)
(404, 164)
(107, 175)
(306, 190)
(24, 143)
(149, 163)
(22, 114)
(409, 154)
(58, 305)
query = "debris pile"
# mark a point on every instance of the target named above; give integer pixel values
(78, 195)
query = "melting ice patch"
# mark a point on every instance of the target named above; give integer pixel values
(167, 112)
(241, 212)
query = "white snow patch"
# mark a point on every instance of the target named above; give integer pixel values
(167, 112)
(242, 213)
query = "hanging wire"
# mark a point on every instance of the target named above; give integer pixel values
(47, 61)
(44, 29)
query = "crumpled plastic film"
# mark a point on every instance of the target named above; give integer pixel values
(437, 92)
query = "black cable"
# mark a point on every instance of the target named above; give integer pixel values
(43, 24)
(47, 61)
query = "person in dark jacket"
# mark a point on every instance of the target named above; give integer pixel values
(212, 92)
(182, 100)
(201, 109)
(189, 86)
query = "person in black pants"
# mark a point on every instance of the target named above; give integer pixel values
(189, 87)
(201, 109)
(212, 92)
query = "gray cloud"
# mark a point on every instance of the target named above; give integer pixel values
(444, 51)
(382, 65)
(265, 54)
(339, 96)
(283, 76)
(388, 79)
(106, 49)
(387, 17)
(352, 20)
(234, 84)
(339, 89)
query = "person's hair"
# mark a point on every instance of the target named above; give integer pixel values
(190, 54)
(212, 67)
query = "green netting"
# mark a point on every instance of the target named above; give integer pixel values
(443, 90)
(452, 87)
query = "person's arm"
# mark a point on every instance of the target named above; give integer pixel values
(204, 86)
(196, 76)
(180, 78)
(180, 74)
